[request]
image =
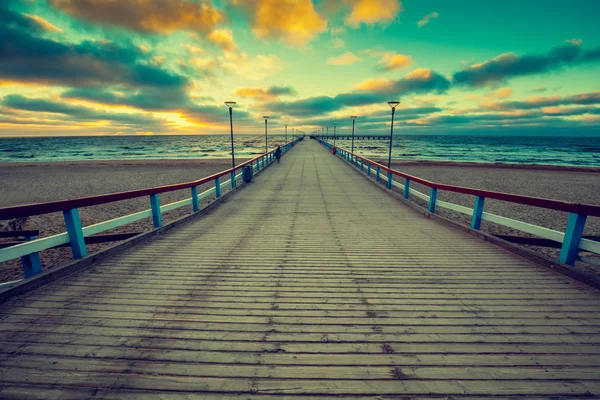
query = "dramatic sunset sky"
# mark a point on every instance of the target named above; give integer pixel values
(108, 67)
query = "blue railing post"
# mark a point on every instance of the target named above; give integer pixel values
(218, 187)
(362, 164)
(75, 232)
(155, 205)
(32, 265)
(477, 212)
(356, 161)
(377, 172)
(233, 179)
(389, 180)
(573, 234)
(369, 169)
(195, 202)
(432, 200)
(406, 188)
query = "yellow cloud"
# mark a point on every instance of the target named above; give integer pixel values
(375, 85)
(502, 93)
(427, 19)
(344, 59)
(257, 68)
(371, 12)
(192, 49)
(294, 21)
(153, 16)
(391, 61)
(223, 38)
(42, 23)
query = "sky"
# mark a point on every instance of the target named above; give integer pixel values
(152, 67)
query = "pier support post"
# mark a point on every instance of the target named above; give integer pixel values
(389, 180)
(233, 182)
(31, 262)
(432, 200)
(75, 232)
(218, 187)
(155, 205)
(406, 188)
(477, 212)
(570, 245)
(377, 172)
(195, 202)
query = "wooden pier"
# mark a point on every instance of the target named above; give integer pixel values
(311, 282)
(356, 137)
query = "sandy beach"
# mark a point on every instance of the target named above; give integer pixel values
(38, 182)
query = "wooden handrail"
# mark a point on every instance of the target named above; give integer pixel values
(578, 208)
(27, 210)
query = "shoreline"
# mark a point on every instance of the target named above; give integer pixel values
(212, 161)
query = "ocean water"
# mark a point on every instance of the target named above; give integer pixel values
(573, 151)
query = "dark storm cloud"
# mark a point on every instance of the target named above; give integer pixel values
(148, 99)
(511, 65)
(537, 102)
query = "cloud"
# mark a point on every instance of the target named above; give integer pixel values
(257, 68)
(264, 94)
(293, 21)
(22, 103)
(224, 39)
(145, 16)
(502, 93)
(391, 61)
(192, 49)
(427, 19)
(338, 43)
(26, 57)
(551, 101)
(371, 12)
(510, 65)
(42, 23)
(421, 80)
(344, 59)
(147, 99)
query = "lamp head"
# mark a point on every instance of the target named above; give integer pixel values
(393, 104)
(353, 117)
(266, 117)
(230, 103)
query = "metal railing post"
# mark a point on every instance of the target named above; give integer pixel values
(573, 234)
(477, 212)
(369, 169)
(32, 265)
(377, 172)
(432, 200)
(233, 182)
(218, 187)
(406, 188)
(362, 164)
(195, 202)
(155, 205)
(389, 180)
(73, 223)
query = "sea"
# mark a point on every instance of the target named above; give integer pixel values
(536, 150)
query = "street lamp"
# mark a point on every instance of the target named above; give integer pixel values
(286, 133)
(334, 136)
(392, 104)
(230, 104)
(266, 117)
(353, 119)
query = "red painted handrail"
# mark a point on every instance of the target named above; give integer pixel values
(579, 208)
(27, 210)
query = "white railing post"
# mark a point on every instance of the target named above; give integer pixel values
(73, 223)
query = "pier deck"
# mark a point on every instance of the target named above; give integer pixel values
(310, 282)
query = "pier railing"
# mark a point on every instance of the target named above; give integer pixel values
(76, 234)
(571, 240)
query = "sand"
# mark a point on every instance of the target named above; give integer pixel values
(38, 182)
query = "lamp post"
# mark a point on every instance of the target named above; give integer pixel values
(334, 135)
(266, 117)
(353, 119)
(230, 104)
(286, 133)
(392, 104)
